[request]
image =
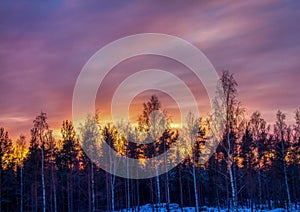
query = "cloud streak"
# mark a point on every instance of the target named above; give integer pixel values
(43, 47)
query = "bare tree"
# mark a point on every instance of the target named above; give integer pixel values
(150, 121)
(41, 129)
(90, 137)
(125, 130)
(190, 132)
(110, 136)
(281, 131)
(259, 131)
(233, 128)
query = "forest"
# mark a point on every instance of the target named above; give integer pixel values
(255, 166)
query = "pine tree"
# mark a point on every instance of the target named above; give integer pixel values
(66, 160)
(5, 152)
(259, 132)
(50, 158)
(20, 154)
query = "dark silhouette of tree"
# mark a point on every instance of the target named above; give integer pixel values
(282, 144)
(5, 169)
(66, 161)
(90, 138)
(20, 154)
(155, 122)
(253, 167)
(40, 131)
(228, 149)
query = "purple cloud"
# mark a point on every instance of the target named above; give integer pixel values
(43, 47)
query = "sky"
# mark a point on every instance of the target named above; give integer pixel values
(45, 44)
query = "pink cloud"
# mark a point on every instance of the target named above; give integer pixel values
(44, 46)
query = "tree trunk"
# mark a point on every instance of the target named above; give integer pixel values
(227, 193)
(167, 192)
(89, 189)
(107, 192)
(231, 177)
(195, 187)
(128, 183)
(180, 187)
(157, 180)
(259, 185)
(112, 193)
(167, 180)
(68, 192)
(43, 180)
(112, 179)
(152, 195)
(157, 183)
(54, 188)
(21, 189)
(93, 187)
(35, 194)
(285, 177)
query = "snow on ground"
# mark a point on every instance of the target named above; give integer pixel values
(175, 208)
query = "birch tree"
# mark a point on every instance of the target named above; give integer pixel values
(190, 133)
(90, 137)
(41, 129)
(280, 132)
(149, 123)
(233, 129)
(110, 136)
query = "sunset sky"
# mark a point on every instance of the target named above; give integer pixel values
(45, 44)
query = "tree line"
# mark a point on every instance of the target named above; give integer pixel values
(255, 165)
